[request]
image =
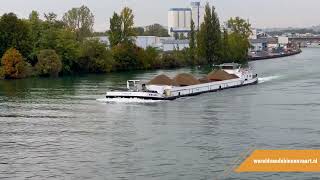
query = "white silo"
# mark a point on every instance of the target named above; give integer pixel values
(179, 20)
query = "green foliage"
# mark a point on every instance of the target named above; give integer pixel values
(121, 28)
(52, 22)
(236, 43)
(68, 49)
(115, 33)
(239, 26)
(238, 48)
(79, 20)
(181, 36)
(175, 59)
(225, 47)
(2, 73)
(97, 34)
(94, 57)
(50, 17)
(209, 37)
(148, 58)
(126, 56)
(139, 31)
(14, 33)
(156, 30)
(14, 66)
(49, 63)
(192, 43)
(127, 25)
(36, 30)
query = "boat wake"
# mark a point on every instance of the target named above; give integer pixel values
(266, 79)
(127, 100)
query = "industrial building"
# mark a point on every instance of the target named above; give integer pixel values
(179, 19)
(165, 44)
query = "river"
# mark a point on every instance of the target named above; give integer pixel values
(62, 128)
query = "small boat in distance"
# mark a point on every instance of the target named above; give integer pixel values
(229, 75)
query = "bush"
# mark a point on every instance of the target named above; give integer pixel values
(174, 59)
(126, 56)
(2, 73)
(148, 58)
(14, 66)
(94, 58)
(49, 63)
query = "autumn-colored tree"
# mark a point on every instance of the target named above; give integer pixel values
(49, 63)
(14, 66)
(14, 32)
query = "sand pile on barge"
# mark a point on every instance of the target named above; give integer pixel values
(185, 79)
(221, 75)
(162, 80)
(204, 80)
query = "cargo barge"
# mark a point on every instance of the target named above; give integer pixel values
(162, 87)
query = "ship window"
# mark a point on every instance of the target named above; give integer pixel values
(227, 67)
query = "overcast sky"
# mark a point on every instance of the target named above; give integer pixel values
(262, 13)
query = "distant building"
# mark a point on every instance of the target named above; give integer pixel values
(179, 19)
(145, 41)
(170, 45)
(259, 44)
(282, 40)
(161, 43)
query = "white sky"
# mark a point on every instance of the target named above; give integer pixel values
(262, 13)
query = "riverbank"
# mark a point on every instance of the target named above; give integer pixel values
(272, 56)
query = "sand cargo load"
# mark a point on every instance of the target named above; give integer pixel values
(162, 87)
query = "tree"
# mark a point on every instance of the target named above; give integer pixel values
(14, 33)
(14, 66)
(139, 31)
(51, 17)
(49, 63)
(239, 26)
(192, 42)
(126, 56)
(128, 32)
(156, 30)
(67, 47)
(115, 33)
(121, 28)
(52, 22)
(94, 57)
(209, 36)
(80, 20)
(35, 34)
(238, 39)
(225, 47)
(181, 36)
(148, 58)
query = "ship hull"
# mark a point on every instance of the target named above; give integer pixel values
(185, 91)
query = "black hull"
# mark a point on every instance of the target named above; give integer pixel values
(175, 97)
